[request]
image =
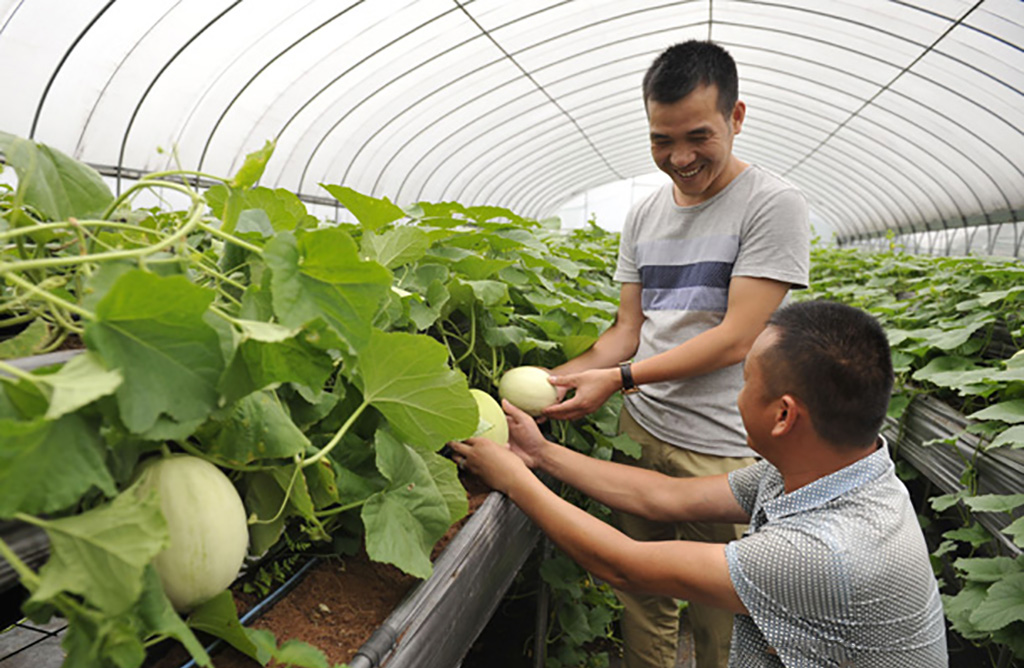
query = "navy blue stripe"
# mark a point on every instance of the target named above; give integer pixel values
(686, 299)
(702, 274)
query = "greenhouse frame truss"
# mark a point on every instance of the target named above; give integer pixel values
(899, 120)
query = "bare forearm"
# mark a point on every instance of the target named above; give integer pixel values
(693, 571)
(613, 346)
(643, 492)
(704, 353)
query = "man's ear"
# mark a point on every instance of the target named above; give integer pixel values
(786, 413)
(739, 113)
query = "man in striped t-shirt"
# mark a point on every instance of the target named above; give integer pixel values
(703, 262)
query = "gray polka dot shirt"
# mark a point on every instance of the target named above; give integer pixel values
(833, 574)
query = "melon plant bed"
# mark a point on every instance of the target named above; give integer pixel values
(956, 326)
(321, 366)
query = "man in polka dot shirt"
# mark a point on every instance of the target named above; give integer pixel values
(833, 570)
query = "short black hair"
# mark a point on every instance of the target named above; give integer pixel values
(683, 67)
(836, 359)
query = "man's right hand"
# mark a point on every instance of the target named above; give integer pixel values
(524, 437)
(593, 387)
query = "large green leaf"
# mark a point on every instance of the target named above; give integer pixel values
(47, 465)
(54, 184)
(1013, 437)
(219, 618)
(405, 520)
(151, 328)
(372, 213)
(82, 380)
(446, 476)
(1003, 604)
(320, 274)
(1011, 412)
(395, 247)
(102, 554)
(406, 377)
(256, 427)
(260, 364)
(988, 569)
(994, 503)
(159, 618)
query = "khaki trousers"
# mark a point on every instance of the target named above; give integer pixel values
(650, 624)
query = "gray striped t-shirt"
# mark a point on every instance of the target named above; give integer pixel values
(835, 573)
(684, 258)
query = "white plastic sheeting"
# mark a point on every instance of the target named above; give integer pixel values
(890, 115)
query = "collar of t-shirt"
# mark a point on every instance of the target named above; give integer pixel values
(823, 490)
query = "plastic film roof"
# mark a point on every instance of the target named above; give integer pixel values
(890, 115)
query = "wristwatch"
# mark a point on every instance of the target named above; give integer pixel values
(628, 386)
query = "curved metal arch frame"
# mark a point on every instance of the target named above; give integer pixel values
(960, 21)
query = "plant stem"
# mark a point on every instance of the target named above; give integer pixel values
(27, 576)
(19, 373)
(336, 438)
(340, 509)
(230, 238)
(287, 495)
(51, 298)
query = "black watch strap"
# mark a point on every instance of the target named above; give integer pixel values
(628, 386)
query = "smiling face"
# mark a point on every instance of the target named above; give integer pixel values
(691, 141)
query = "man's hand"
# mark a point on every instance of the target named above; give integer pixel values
(524, 437)
(593, 387)
(496, 465)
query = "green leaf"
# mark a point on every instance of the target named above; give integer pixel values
(320, 275)
(159, 618)
(940, 503)
(102, 554)
(1016, 530)
(252, 168)
(151, 329)
(1011, 412)
(1003, 605)
(952, 372)
(960, 607)
(82, 380)
(1012, 437)
(27, 342)
(47, 465)
(988, 569)
(975, 534)
(54, 184)
(300, 655)
(258, 364)
(406, 377)
(256, 428)
(219, 618)
(994, 503)
(396, 247)
(405, 520)
(372, 213)
(446, 476)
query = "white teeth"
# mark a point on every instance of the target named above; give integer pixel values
(687, 175)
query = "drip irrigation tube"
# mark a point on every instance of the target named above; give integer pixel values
(257, 610)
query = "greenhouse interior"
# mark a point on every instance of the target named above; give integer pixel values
(279, 278)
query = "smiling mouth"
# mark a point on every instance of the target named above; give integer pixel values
(689, 174)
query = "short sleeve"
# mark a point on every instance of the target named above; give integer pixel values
(776, 240)
(794, 587)
(745, 483)
(625, 269)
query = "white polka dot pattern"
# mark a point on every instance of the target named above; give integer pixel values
(833, 574)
